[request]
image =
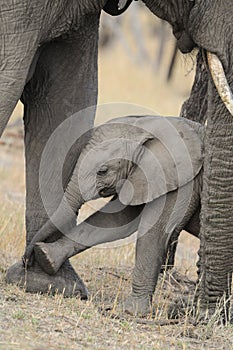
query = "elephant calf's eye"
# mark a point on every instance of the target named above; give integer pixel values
(102, 171)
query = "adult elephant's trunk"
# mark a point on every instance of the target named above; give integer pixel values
(216, 258)
(18, 44)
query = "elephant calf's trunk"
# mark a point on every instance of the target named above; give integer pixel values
(63, 220)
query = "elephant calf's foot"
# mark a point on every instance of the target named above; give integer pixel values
(51, 256)
(35, 280)
(138, 306)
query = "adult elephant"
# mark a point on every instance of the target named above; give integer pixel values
(207, 24)
(48, 57)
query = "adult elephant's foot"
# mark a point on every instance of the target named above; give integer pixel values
(51, 256)
(138, 306)
(35, 280)
(181, 306)
(186, 305)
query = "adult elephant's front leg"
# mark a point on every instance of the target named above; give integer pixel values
(216, 250)
(64, 83)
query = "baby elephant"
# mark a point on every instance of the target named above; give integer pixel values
(152, 166)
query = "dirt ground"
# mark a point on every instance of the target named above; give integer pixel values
(39, 322)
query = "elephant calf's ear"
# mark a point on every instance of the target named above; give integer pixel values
(116, 7)
(164, 164)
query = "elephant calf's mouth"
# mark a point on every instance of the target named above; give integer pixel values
(107, 192)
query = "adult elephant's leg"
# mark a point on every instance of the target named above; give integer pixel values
(216, 251)
(194, 108)
(64, 82)
(215, 254)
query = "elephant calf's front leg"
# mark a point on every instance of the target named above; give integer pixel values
(101, 227)
(150, 255)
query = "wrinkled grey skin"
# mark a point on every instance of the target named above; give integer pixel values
(132, 148)
(48, 58)
(207, 24)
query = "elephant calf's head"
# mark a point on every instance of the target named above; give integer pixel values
(109, 176)
(108, 159)
(138, 158)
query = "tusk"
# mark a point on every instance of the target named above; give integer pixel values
(220, 81)
(121, 4)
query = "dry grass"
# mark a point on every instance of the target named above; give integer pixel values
(44, 322)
